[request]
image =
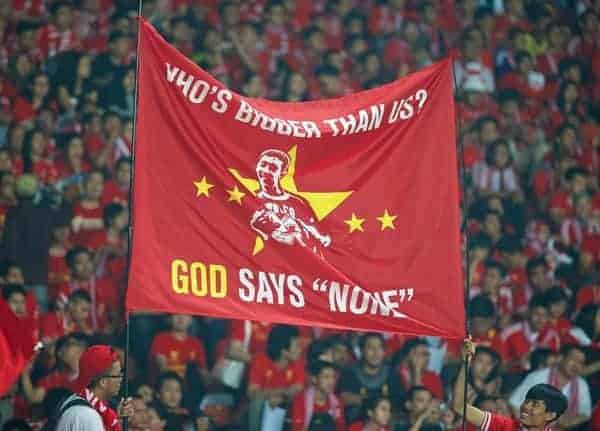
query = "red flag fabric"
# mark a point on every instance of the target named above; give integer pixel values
(339, 213)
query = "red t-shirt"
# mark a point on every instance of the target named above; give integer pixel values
(267, 375)
(299, 406)
(494, 422)
(112, 193)
(258, 337)
(178, 353)
(588, 295)
(57, 379)
(83, 237)
(429, 379)
(53, 326)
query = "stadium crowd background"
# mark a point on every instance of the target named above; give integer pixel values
(528, 78)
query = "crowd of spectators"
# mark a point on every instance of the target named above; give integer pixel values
(528, 94)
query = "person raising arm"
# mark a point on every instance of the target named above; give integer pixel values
(543, 405)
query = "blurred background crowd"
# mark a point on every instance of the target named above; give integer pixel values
(528, 94)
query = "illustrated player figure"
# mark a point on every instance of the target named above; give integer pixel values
(543, 405)
(283, 217)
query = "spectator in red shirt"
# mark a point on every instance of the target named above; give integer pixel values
(377, 416)
(59, 35)
(483, 317)
(33, 100)
(67, 352)
(413, 368)
(279, 375)
(35, 157)
(116, 189)
(543, 405)
(173, 350)
(562, 204)
(494, 289)
(87, 213)
(318, 399)
(76, 317)
(524, 337)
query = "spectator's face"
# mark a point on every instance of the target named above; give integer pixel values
(84, 67)
(14, 275)
(113, 382)
(248, 36)
(501, 156)
(483, 364)
(372, 65)
(514, 7)
(488, 133)
(537, 277)
(341, 354)
(16, 139)
(558, 309)
(38, 144)
(16, 302)
(573, 363)
(571, 93)
(525, 65)
(330, 85)
(83, 266)
(181, 322)
(578, 184)
(5, 162)
(170, 393)
(382, 413)
(7, 187)
(294, 351)
(27, 40)
(419, 357)
(355, 27)
(120, 47)
(590, 23)
(411, 32)
(70, 355)
(420, 402)
(41, 86)
(297, 85)
(94, 186)
(430, 14)
(75, 149)
(64, 17)
(492, 280)
(316, 42)
(373, 352)
(79, 311)
(534, 414)
(481, 325)
(492, 225)
(326, 380)
(538, 317)
(277, 15)
(23, 66)
(231, 17)
(254, 87)
(123, 174)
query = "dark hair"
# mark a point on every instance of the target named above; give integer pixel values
(80, 295)
(481, 240)
(494, 264)
(510, 244)
(539, 357)
(534, 263)
(481, 306)
(586, 320)
(571, 173)
(560, 95)
(315, 367)
(123, 160)
(488, 351)
(327, 70)
(110, 212)
(371, 403)
(73, 253)
(537, 301)
(555, 295)
(10, 289)
(554, 399)
(280, 339)
(522, 55)
(362, 342)
(490, 153)
(414, 389)
(317, 348)
(26, 152)
(568, 348)
(169, 375)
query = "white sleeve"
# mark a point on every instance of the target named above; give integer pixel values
(518, 395)
(585, 403)
(80, 418)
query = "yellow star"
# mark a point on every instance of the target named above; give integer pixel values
(387, 220)
(202, 187)
(322, 203)
(355, 223)
(236, 195)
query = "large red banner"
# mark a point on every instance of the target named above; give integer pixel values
(338, 213)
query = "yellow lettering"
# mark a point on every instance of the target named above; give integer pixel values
(218, 289)
(194, 269)
(179, 277)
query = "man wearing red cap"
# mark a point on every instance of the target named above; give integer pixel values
(99, 380)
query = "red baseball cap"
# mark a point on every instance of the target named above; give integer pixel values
(93, 363)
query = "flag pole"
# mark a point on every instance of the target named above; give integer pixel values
(130, 206)
(464, 231)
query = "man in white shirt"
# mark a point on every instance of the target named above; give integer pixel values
(565, 376)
